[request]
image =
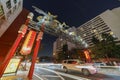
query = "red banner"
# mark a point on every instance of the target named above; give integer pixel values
(28, 43)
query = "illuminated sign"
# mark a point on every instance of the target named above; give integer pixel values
(87, 55)
(28, 43)
(12, 66)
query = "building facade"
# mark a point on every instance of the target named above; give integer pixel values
(106, 22)
(9, 10)
(58, 45)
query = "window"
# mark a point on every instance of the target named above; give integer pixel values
(2, 18)
(14, 8)
(64, 61)
(72, 62)
(19, 4)
(9, 13)
(84, 35)
(81, 29)
(15, 1)
(1, 11)
(8, 4)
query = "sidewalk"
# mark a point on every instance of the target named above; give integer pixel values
(20, 75)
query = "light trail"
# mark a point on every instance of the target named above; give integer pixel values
(64, 74)
(58, 75)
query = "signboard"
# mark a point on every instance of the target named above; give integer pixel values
(28, 43)
(12, 66)
(87, 55)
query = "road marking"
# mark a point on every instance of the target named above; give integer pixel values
(72, 76)
(53, 72)
(49, 76)
(39, 77)
(67, 75)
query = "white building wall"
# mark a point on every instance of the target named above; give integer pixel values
(106, 22)
(116, 11)
(58, 44)
(113, 21)
(10, 14)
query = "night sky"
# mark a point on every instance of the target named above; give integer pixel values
(73, 12)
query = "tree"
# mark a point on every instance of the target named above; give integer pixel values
(74, 53)
(106, 47)
(62, 55)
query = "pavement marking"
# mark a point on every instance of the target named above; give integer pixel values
(53, 72)
(49, 76)
(67, 75)
(72, 76)
(38, 76)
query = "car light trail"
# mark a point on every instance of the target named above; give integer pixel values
(64, 74)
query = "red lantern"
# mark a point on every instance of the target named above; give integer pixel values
(28, 43)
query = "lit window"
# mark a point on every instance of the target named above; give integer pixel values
(84, 35)
(94, 30)
(93, 27)
(81, 29)
(8, 4)
(111, 33)
(91, 31)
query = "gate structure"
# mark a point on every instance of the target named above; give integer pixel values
(32, 32)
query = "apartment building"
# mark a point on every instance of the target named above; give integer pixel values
(106, 22)
(9, 10)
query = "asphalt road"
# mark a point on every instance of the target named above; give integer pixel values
(48, 74)
(42, 73)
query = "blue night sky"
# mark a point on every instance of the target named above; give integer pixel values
(73, 12)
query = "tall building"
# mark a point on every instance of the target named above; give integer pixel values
(9, 10)
(106, 22)
(58, 45)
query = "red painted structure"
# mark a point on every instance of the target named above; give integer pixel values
(10, 54)
(28, 43)
(38, 41)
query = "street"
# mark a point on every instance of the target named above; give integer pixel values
(48, 74)
(42, 73)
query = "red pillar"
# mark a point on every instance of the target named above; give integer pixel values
(10, 54)
(38, 40)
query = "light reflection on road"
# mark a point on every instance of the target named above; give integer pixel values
(48, 74)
